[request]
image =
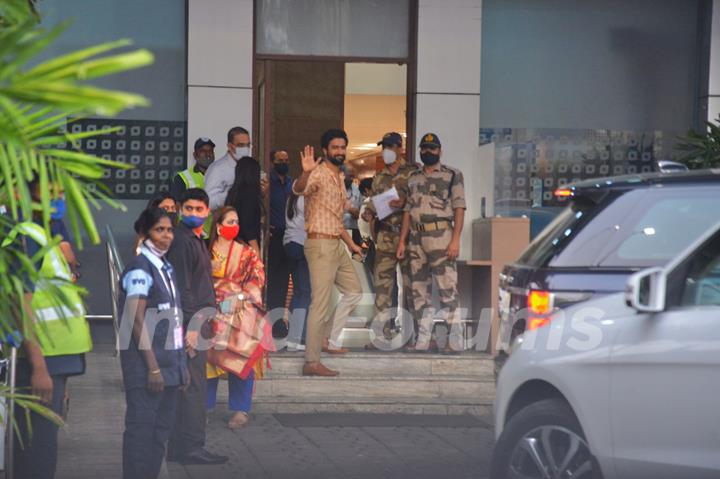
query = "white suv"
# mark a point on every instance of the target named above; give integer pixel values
(623, 386)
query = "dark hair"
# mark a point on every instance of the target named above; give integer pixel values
(292, 202)
(247, 181)
(236, 130)
(331, 134)
(149, 218)
(366, 185)
(159, 198)
(33, 184)
(197, 194)
(218, 218)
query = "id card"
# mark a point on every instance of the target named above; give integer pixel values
(178, 335)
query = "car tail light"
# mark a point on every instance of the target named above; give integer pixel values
(540, 305)
(562, 193)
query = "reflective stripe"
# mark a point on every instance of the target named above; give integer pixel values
(72, 336)
(60, 312)
(192, 179)
(188, 179)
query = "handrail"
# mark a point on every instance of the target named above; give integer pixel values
(115, 268)
(113, 245)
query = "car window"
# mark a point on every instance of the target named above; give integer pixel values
(553, 238)
(635, 228)
(701, 285)
(642, 228)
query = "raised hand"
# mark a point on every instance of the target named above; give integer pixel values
(308, 159)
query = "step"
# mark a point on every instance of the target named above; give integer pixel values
(373, 387)
(269, 405)
(476, 365)
(378, 382)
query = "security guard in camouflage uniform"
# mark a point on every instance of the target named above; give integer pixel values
(386, 231)
(433, 220)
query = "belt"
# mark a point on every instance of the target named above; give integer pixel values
(388, 227)
(322, 236)
(432, 226)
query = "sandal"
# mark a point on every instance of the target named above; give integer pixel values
(238, 420)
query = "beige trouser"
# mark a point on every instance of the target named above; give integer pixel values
(329, 264)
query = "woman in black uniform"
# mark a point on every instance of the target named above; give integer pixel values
(153, 362)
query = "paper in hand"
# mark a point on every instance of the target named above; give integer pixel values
(382, 203)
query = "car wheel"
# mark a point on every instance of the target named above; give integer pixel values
(545, 441)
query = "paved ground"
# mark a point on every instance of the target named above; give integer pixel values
(278, 446)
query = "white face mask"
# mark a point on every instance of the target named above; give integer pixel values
(242, 151)
(154, 249)
(389, 156)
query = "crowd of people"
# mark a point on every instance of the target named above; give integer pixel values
(194, 299)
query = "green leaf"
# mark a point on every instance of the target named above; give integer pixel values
(71, 59)
(104, 66)
(8, 181)
(74, 192)
(85, 158)
(35, 42)
(15, 11)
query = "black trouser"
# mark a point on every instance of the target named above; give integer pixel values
(356, 236)
(190, 421)
(149, 420)
(36, 458)
(278, 272)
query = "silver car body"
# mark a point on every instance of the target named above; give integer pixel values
(645, 387)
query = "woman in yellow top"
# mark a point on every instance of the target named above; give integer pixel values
(242, 336)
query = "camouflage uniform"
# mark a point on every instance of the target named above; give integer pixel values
(432, 199)
(385, 274)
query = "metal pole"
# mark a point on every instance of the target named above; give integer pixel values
(9, 438)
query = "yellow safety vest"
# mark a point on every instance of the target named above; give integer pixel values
(192, 178)
(60, 329)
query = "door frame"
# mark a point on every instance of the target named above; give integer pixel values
(262, 65)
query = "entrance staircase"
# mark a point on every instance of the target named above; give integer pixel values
(378, 382)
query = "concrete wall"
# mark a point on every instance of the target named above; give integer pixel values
(618, 64)
(220, 69)
(160, 29)
(448, 92)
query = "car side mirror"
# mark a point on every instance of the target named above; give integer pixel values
(645, 291)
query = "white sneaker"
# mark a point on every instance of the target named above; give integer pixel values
(295, 347)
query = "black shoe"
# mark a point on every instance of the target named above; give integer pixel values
(201, 456)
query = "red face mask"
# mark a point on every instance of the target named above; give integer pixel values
(229, 232)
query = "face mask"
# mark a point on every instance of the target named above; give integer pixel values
(154, 249)
(204, 161)
(337, 160)
(59, 206)
(229, 232)
(389, 156)
(193, 221)
(282, 168)
(242, 151)
(429, 158)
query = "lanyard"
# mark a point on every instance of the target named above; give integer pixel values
(168, 282)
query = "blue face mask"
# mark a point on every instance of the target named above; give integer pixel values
(59, 208)
(193, 221)
(282, 168)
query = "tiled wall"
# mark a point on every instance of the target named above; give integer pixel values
(531, 163)
(155, 150)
